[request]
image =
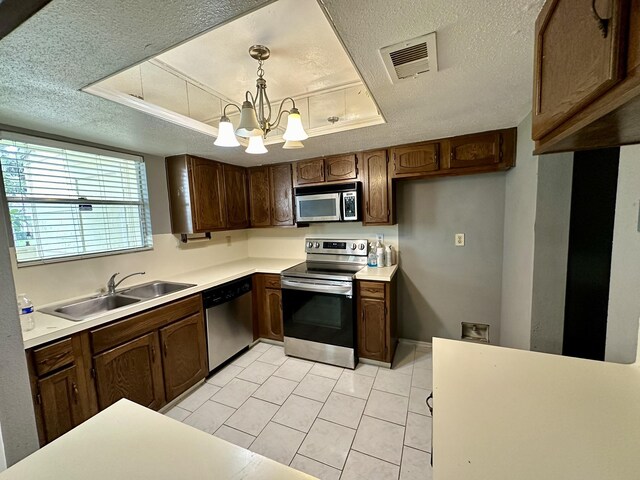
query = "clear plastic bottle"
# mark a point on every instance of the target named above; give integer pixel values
(25, 309)
(379, 254)
(372, 259)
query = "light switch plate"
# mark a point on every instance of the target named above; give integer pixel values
(459, 240)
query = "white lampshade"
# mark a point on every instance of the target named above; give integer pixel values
(256, 146)
(295, 131)
(226, 137)
(249, 125)
(292, 144)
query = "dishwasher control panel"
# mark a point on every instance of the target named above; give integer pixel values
(226, 292)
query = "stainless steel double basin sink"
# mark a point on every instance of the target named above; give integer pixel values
(84, 308)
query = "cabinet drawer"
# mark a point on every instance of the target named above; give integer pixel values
(272, 281)
(371, 289)
(52, 357)
(132, 327)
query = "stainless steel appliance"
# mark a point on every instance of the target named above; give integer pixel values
(318, 307)
(229, 320)
(328, 203)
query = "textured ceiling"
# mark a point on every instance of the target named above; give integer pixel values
(484, 55)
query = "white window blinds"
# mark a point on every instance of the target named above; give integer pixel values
(69, 201)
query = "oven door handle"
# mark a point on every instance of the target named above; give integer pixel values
(317, 287)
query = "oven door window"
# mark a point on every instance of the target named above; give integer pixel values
(318, 317)
(319, 207)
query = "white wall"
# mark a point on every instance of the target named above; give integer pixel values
(441, 285)
(624, 289)
(517, 266)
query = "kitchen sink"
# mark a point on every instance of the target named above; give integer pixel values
(83, 309)
(155, 289)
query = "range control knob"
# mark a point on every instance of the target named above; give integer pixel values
(317, 244)
(309, 244)
(361, 247)
(353, 246)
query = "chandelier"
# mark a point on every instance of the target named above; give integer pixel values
(255, 116)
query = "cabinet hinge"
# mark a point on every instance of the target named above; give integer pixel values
(93, 373)
(38, 399)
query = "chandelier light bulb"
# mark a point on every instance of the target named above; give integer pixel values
(256, 146)
(226, 137)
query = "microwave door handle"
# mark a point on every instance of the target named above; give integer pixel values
(317, 287)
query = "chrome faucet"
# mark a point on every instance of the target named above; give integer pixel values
(112, 285)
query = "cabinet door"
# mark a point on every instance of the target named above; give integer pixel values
(476, 150)
(309, 171)
(574, 62)
(281, 195)
(236, 196)
(207, 195)
(376, 189)
(341, 167)
(415, 159)
(271, 322)
(184, 353)
(259, 198)
(132, 371)
(61, 402)
(372, 329)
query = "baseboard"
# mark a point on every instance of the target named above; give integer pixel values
(417, 343)
(269, 341)
(181, 397)
(377, 363)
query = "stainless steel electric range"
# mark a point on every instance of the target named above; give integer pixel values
(319, 311)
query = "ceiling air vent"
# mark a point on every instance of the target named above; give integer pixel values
(411, 58)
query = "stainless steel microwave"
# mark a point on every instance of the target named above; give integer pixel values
(328, 203)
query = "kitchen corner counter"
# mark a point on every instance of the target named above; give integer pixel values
(50, 327)
(377, 274)
(501, 413)
(130, 441)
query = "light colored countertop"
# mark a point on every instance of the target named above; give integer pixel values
(50, 327)
(127, 441)
(510, 414)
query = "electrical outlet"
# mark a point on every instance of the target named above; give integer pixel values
(380, 237)
(459, 240)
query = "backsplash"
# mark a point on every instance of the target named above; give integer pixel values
(59, 281)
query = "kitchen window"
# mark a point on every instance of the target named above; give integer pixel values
(69, 201)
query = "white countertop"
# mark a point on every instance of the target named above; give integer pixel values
(127, 441)
(510, 414)
(50, 327)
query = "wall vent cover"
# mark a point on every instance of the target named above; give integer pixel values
(410, 58)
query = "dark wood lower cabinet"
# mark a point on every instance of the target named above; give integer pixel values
(61, 403)
(377, 320)
(184, 355)
(268, 307)
(132, 371)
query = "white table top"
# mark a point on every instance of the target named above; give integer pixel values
(511, 414)
(127, 441)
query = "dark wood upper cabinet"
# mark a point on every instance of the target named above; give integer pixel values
(310, 171)
(415, 160)
(259, 197)
(574, 62)
(184, 352)
(61, 403)
(236, 196)
(206, 182)
(281, 189)
(377, 189)
(475, 150)
(132, 371)
(341, 167)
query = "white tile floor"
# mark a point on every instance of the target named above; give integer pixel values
(333, 423)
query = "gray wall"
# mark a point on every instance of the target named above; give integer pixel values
(441, 285)
(624, 289)
(553, 211)
(17, 420)
(519, 220)
(158, 194)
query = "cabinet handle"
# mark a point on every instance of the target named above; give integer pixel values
(603, 23)
(74, 389)
(166, 349)
(366, 206)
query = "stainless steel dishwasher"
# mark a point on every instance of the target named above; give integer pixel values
(229, 320)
